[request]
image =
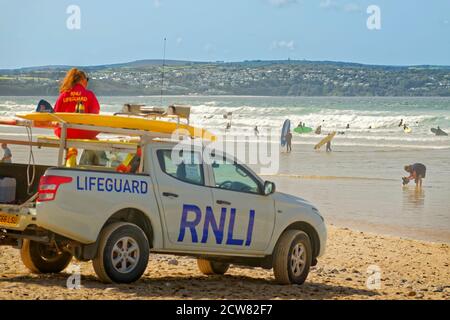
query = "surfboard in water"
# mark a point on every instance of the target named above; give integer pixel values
(286, 128)
(439, 132)
(329, 137)
(303, 130)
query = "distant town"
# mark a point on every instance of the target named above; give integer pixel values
(261, 78)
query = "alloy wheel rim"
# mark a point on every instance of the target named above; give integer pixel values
(298, 259)
(125, 255)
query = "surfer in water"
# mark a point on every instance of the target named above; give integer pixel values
(401, 123)
(329, 146)
(288, 141)
(256, 131)
(319, 129)
(417, 172)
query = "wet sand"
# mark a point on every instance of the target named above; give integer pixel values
(409, 270)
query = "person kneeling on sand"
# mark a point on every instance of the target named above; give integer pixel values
(417, 172)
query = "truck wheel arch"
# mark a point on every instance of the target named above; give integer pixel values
(129, 215)
(310, 231)
(136, 217)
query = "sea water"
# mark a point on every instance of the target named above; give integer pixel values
(359, 183)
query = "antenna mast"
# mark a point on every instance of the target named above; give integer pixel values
(162, 76)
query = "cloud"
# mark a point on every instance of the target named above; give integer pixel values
(209, 48)
(335, 5)
(328, 4)
(281, 3)
(290, 45)
(157, 3)
(352, 7)
(179, 41)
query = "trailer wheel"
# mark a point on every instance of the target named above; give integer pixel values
(212, 267)
(122, 255)
(42, 258)
(292, 257)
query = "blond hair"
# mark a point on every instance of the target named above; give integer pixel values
(72, 78)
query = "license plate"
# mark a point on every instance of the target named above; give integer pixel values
(8, 219)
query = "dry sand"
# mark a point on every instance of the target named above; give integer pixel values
(409, 270)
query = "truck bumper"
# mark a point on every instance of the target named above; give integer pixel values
(16, 219)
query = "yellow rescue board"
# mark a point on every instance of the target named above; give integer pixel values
(123, 122)
(329, 137)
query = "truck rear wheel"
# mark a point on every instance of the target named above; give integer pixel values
(122, 255)
(212, 267)
(292, 257)
(42, 258)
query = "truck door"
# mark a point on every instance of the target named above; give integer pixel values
(183, 195)
(250, 215)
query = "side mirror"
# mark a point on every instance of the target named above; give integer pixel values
(269, 188)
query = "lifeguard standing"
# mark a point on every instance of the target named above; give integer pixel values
(74, 97)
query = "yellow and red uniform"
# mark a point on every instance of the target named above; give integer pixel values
(78, 99)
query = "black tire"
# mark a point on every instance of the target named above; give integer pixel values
(42, 258)
(112, 240)
(208, 267)
(284, 272)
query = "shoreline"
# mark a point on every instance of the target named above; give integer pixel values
(410, 269)
(344, 197)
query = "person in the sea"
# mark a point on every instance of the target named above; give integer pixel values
(288, 138)
(75, 97)
(329, 146)
(319, 129)
(256, 131)
(401, 123)
(417, 172)
(348, 126)
(7, 155)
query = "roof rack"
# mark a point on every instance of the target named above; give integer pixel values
(176, 111)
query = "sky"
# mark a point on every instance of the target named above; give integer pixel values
(50, 32)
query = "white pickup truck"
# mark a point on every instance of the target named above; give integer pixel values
(220, 213)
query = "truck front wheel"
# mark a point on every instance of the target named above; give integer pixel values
(292, 257)
(122, 255)
(42, 258)
(212, 267)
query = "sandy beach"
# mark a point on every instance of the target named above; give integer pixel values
(409, 270)
(372, 221)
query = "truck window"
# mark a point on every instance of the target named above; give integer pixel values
(189, 170)
(232, 176)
